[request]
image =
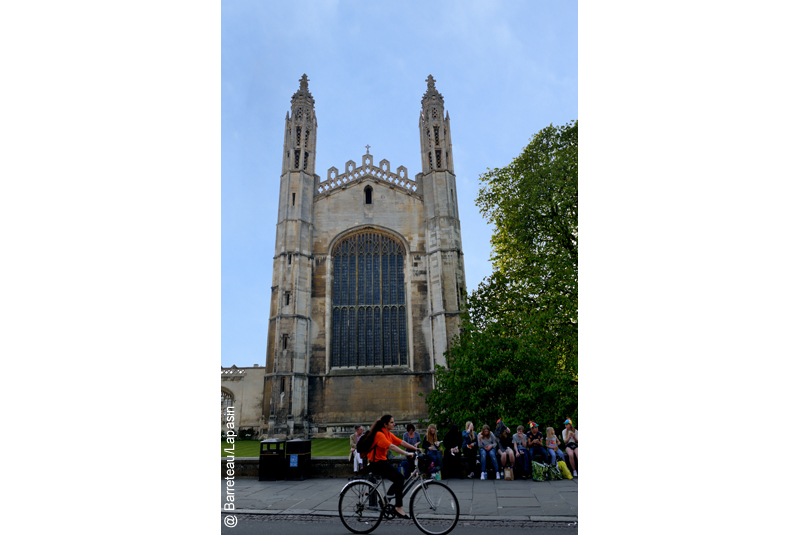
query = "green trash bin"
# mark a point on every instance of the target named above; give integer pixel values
(272, 460)
(298, 459)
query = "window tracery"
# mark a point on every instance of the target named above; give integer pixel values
(369, 310)
(227, 401)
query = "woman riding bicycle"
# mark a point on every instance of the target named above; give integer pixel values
(382, 441)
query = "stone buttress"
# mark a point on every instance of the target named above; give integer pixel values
(445, 258)
(290, 315)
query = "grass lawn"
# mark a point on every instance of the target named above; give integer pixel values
(320, 447)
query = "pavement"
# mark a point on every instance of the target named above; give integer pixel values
(519, 500)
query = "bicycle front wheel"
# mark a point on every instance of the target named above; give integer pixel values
(434, 508)
(359, 507)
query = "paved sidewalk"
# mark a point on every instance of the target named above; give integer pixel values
(546, 501)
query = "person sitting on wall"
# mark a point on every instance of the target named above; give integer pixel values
(505, 449)
(487, 444)
(536, 443)
(570, 436)
(469, 445)
(411, 436)
(355, 458)
(431, 446)
(520, 442)
(552, 442)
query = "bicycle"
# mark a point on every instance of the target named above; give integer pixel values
(433, 506)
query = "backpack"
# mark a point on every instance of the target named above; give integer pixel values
(365, 444)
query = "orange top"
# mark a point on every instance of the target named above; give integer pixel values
(382, 441)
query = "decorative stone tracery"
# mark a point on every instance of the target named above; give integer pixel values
(381, 174)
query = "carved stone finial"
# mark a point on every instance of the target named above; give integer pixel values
(367, 149)
(302, 95)
(432, 94)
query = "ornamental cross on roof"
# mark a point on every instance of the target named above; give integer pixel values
(367, 148)
(304, 83)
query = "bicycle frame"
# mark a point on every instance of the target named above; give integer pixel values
(371, 496)
(414, 480)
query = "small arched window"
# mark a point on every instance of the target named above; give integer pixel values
(368, 194)
(227, 401)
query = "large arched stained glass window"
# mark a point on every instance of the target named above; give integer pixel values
(369, 302)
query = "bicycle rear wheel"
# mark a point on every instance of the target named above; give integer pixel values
(359, 507)
(434, 508)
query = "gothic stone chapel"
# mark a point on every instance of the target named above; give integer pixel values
(367, 281)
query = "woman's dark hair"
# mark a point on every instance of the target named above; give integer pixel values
(410, 427)
(380, 423)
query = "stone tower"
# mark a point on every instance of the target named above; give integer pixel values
(366, 283)
(290, 314)
(442, 226)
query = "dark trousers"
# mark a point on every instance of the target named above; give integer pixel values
(387, 471)
(451, 465)
(524, 459)
(541, 451)
(472, 456)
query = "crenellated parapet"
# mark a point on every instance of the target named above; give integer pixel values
(382, 173)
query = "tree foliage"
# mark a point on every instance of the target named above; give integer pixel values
(517, 355)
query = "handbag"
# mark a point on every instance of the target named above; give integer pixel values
(508, 474)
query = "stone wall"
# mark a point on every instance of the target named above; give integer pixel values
(319, 467)
(247, 387)
(346, 398)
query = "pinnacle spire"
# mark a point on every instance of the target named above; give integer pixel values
(432, 94)
(303, 94)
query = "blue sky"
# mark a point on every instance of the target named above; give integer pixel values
(505, 69)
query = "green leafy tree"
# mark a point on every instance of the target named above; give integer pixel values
(517, 355)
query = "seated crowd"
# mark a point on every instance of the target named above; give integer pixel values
(504, 449)
(498, 450)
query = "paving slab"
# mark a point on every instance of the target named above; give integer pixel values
(493, 500)
(516, 502)
(505, 512)
(562, 509)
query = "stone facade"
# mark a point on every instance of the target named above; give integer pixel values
(367, 284)
(243, 388)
